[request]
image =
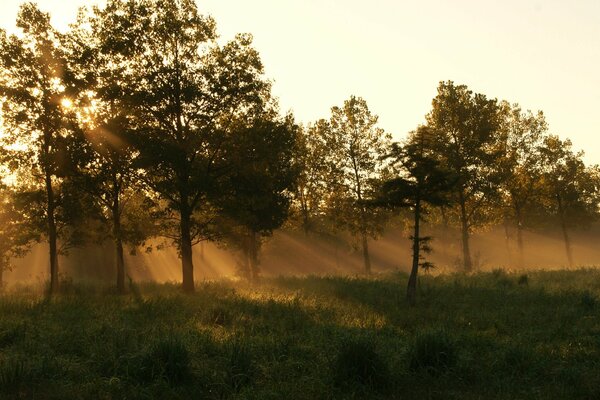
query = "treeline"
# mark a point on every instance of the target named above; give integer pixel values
(137, 123)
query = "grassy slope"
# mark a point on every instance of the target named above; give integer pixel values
(288, 338)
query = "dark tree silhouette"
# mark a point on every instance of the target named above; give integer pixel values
(260, 183)
(38, 123)
(184, 92)
(420, 181)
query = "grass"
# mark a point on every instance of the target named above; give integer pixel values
(493, 335)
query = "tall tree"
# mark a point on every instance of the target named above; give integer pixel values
(520, 166)
(356, 147)
(465, 126)
(106, 158)
(311, 156)
(420, 181)
(184, 90)
(261, 183)
(37, 121)
(571, 189)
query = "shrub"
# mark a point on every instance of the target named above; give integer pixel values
(433, 352)
(359, 363)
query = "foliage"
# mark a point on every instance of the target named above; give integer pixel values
(465, 128)
(356, 147)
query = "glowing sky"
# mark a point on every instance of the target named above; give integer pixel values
(543, 54)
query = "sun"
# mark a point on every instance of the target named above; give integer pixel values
(66, 103)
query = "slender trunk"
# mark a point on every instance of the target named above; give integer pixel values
(411, 289)
(563, 225)
(1, 276)
(52, 234)
(367, 258)
(520, 238)
(507, 240)
(254, 246)
(468, 264)
(187, 264)
(306, 224)
(118, 239)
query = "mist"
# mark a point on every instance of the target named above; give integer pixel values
(290, 252)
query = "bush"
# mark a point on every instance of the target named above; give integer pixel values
(359, 363)
(167, 359)
(433, 352)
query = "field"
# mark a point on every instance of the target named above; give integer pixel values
(484, 336)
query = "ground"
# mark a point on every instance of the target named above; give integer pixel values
(484, 336)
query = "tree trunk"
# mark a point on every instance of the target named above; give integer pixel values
(1, 276)
(411, 289)
(52, 234)
(254, 248)
(187, 264)
(468, 264)
(367, 258)
(520, 244)
(563, 225)
(507, 240)
(118, 239)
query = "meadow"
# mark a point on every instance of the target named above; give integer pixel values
(493, 335)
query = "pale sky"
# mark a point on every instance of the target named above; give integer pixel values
(543, 54)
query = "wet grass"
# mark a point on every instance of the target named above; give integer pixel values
(486, 336)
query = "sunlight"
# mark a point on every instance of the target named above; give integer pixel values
(66, 103)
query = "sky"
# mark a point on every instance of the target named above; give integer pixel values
(542, 54)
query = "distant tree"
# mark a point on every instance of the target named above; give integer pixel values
(37, 125)
(356, 146)
(311, 156)
(184, 91)
(465, 138)
(520, 166)
(11, 240)
(571, 189)
(420, 181)
(260, 183)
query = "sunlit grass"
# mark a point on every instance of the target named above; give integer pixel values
(492, 335)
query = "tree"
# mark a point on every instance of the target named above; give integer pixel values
(420, 181)
(311, 156)
(356, 146)
(183, 91)
(37, 123)
(465, 127)
(260, 183)
(11, 241)
(520, 165)
(106, 158)
(571, 190)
